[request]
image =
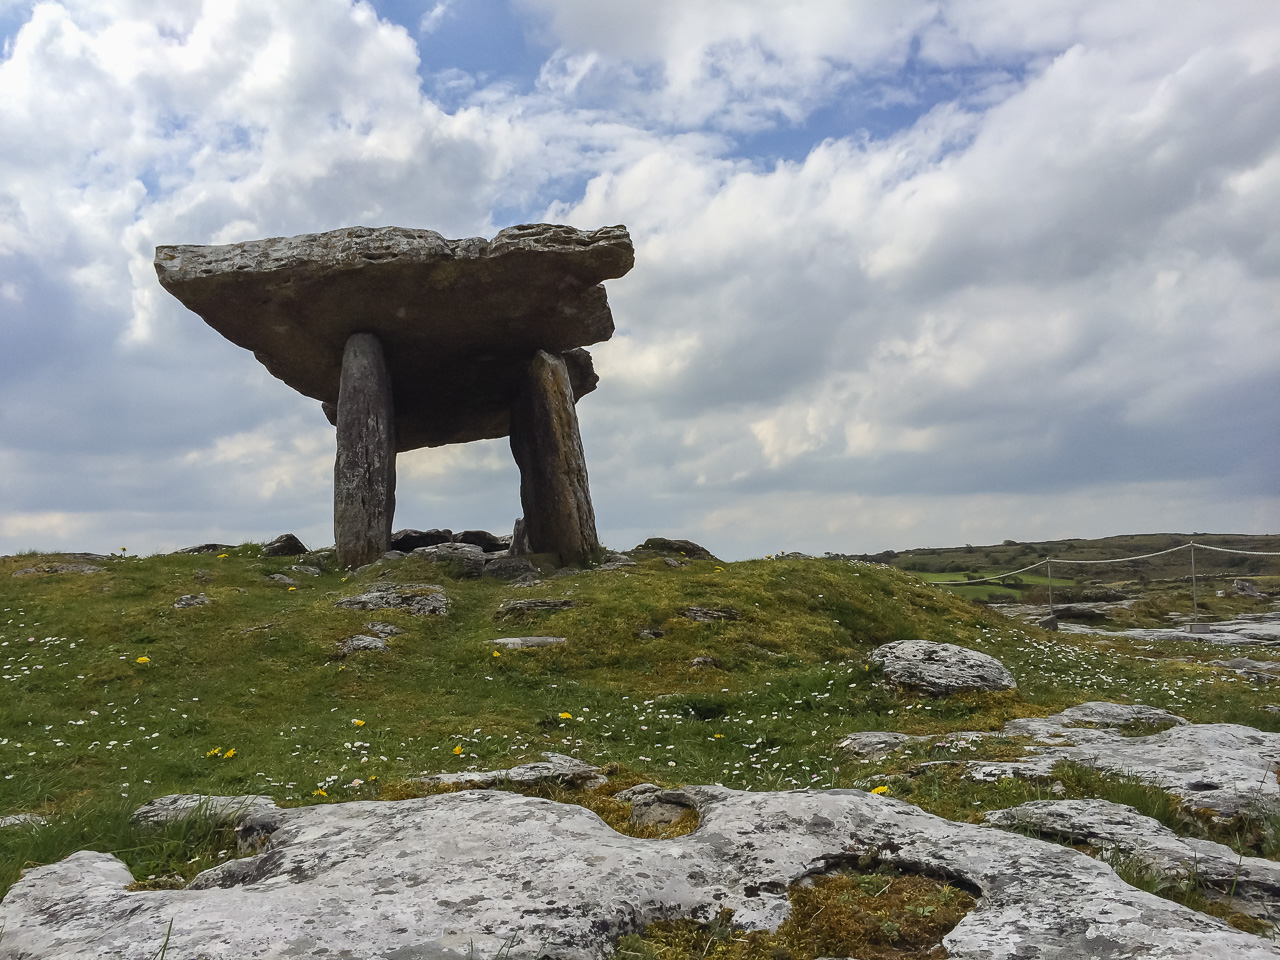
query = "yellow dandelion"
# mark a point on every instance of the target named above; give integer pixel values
(293, 588)
(496, 653)
(457, 751)
(229, 754)
(880, 790)
(223, 556)
(566, 716)
(143, 660)
(357, 723)
(319, 792)
(215, 752)
(719, 736)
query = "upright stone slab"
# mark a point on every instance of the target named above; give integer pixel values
(364, 471)
(558, 515)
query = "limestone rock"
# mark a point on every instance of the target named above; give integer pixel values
(190, 600)
(411, 540)
(305, 569)
(527, 643)
(1264, 670)
(876, 743)
(21, 820)
(207, 548)
(710, 614)
(1247, 588)
(686, 548)
(939, 669)
(513, 608)
(508, 568)
(431, 302)
(285, 545)
(177, 806)
(379, 629)
(45, 568)
(421, 599)
(1252, 884)
(656, 807)
(479, 872)
(468, 555)
(615, 561)
(710, 663)
(282, 579)
(486, 541)
(362, 642)
(557, 768)
(673, 562)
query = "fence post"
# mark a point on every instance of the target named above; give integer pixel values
(1195, 602)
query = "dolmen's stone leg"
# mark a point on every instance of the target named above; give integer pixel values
(558, 515)
(364, 471)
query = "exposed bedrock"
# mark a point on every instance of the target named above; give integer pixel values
(485, 872)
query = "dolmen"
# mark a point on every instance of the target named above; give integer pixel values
(410, 340)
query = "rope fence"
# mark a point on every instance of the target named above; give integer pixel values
(1048, 563)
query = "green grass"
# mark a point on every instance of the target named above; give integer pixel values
(109, 696)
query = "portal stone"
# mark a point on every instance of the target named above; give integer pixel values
(558, 515)
(364, 471)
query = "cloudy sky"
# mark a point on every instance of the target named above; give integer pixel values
(907, 273)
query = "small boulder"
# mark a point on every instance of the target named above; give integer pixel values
(615, 561)
(190, 600)
(871, 744)
(708, 662)
(710, 614)
(508, 568)
(515, 608)
(179, 806)
(557, 768)
(525, 643)
(939, 669)
(379, 629)
(420, 599)
(44, 568)
(483, 539)
(685, 548)
(282, 579)
(650, 633)
(361, 642)
(306, 570)
(285, 545)
(207, 548)
(411, 540)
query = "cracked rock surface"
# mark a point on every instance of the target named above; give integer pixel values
(939, 669)
(1252, 884)
(440, 877)
(422, 599)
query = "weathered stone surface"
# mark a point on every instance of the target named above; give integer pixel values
(554, 491)
(362, 643)
(46, 568)
(305, 569)
(282, 579)
(379, 629)
(179, 806)
(512, 608)
(364, 470)
(525, 643)
(486, 541)
(422, 599)
(710, 614)
(1265, 670)
(411, 540)
(1251, 884)
(941, 668)
(207, 548)
(873, 744)
(285, 545)
(557, 768)
(710, 663)
(478, 872)
(468, 555)
(686, 548)
(21, 820)
(509, 568)
(190, 600)
(432, 302)
(615, 561)
(660, 806)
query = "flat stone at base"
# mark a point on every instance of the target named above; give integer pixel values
(179, 806)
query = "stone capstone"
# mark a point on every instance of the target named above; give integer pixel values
(939, 669)
(421, 599)
(458, 319)
(489, 873)
(1249, 884)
